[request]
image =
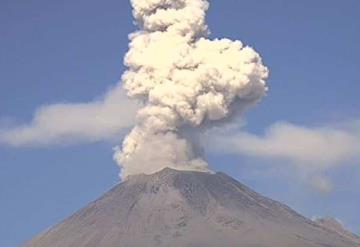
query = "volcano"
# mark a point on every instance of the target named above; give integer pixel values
(188, 209)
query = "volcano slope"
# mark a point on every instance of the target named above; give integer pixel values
(187, 209)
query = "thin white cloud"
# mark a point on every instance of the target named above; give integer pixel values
(322, 184)
(58, 123)
(313, 150)
(321, 147)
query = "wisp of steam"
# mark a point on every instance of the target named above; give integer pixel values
(182, 79)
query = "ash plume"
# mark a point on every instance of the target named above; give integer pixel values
(183, 79)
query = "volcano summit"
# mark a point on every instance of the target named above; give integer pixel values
(188, 208)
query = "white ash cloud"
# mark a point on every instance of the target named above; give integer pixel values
(184, 79)
(70, 122)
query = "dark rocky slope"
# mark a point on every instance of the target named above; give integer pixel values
(188, 209)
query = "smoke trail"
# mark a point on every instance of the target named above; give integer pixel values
(183, 79)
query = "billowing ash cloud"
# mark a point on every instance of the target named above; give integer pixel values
(183, 80)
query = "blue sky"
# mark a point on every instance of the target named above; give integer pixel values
(71, 51)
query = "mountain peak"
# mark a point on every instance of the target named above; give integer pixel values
(187, 208)
(165, 173)
(335, 225)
